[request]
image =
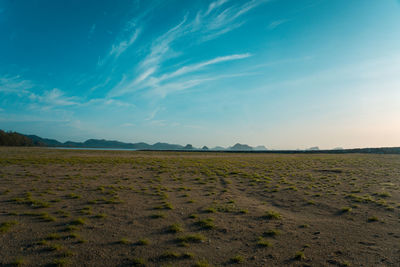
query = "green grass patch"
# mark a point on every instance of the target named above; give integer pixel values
(6, 226)
(78, 221)
(143, 242)
(373, 219)
(206, 224)
(124, 241)
(263, 243)
(237, 259)
(272, 215)
(271, 233)
(299, 255)
(174, 228)
(192, 238)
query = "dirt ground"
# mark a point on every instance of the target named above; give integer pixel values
(124, 208)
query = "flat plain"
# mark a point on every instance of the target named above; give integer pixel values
(124, 208)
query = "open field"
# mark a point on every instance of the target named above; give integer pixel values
(107, 208)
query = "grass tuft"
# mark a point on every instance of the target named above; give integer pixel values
(124, 241)
(272, 215)
(271, 233)
(137, 262)
(169, 255)
(143, 242)
(206, 224)
(201, 263)
(157, 215)
(237, 259)
(299, 255)
(345, 210)
(192, 238)
(78, 221)
(60, 262)
(100, 216)
(263, 243)
(6, 226)
(373, 219)
(174, 228)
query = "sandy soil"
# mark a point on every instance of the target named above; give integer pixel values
(114, 208)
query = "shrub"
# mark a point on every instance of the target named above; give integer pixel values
(237, 259)
(272, 215)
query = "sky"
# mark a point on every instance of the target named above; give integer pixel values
(285, 74)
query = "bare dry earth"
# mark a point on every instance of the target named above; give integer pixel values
(108, 208)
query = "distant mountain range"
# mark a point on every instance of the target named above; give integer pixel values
(18, 139)
(101, 143)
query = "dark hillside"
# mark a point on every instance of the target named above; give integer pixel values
(16, 139)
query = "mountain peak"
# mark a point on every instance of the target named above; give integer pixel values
(241, 147)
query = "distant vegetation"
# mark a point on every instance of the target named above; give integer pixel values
(16, 139)
(101, 143)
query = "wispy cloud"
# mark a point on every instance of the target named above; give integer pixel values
(163, 90)
(199, 66)
(276, 23)
(220, 17)
(120, 48)
(23, 88)
(160, 48)
(217, 21)
(15, 84)
(107, 102)
(214, 5)
(49, 99)
(126, 39)
(100, 85)
(153, 114)
(128, 35)
(160, 84)
(54, 98)
(144, 75)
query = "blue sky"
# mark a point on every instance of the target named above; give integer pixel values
(281, 73)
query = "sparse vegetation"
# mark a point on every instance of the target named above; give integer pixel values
(299, 255)
(100, 216)
(124, 241)
(272, 215)
(6, 226)
(143, 242)
(373, 219)
(237, 259)
(206, 223)
(271, 233)
(78, 221)
(345, 210)
(202, 263)
(135, 208)
(169, 255)
(157, 215)
(192, 238)
(174, 228)
(60, 262)
(263, 243)
(137, 262)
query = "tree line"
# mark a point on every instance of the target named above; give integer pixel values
(15, 139)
